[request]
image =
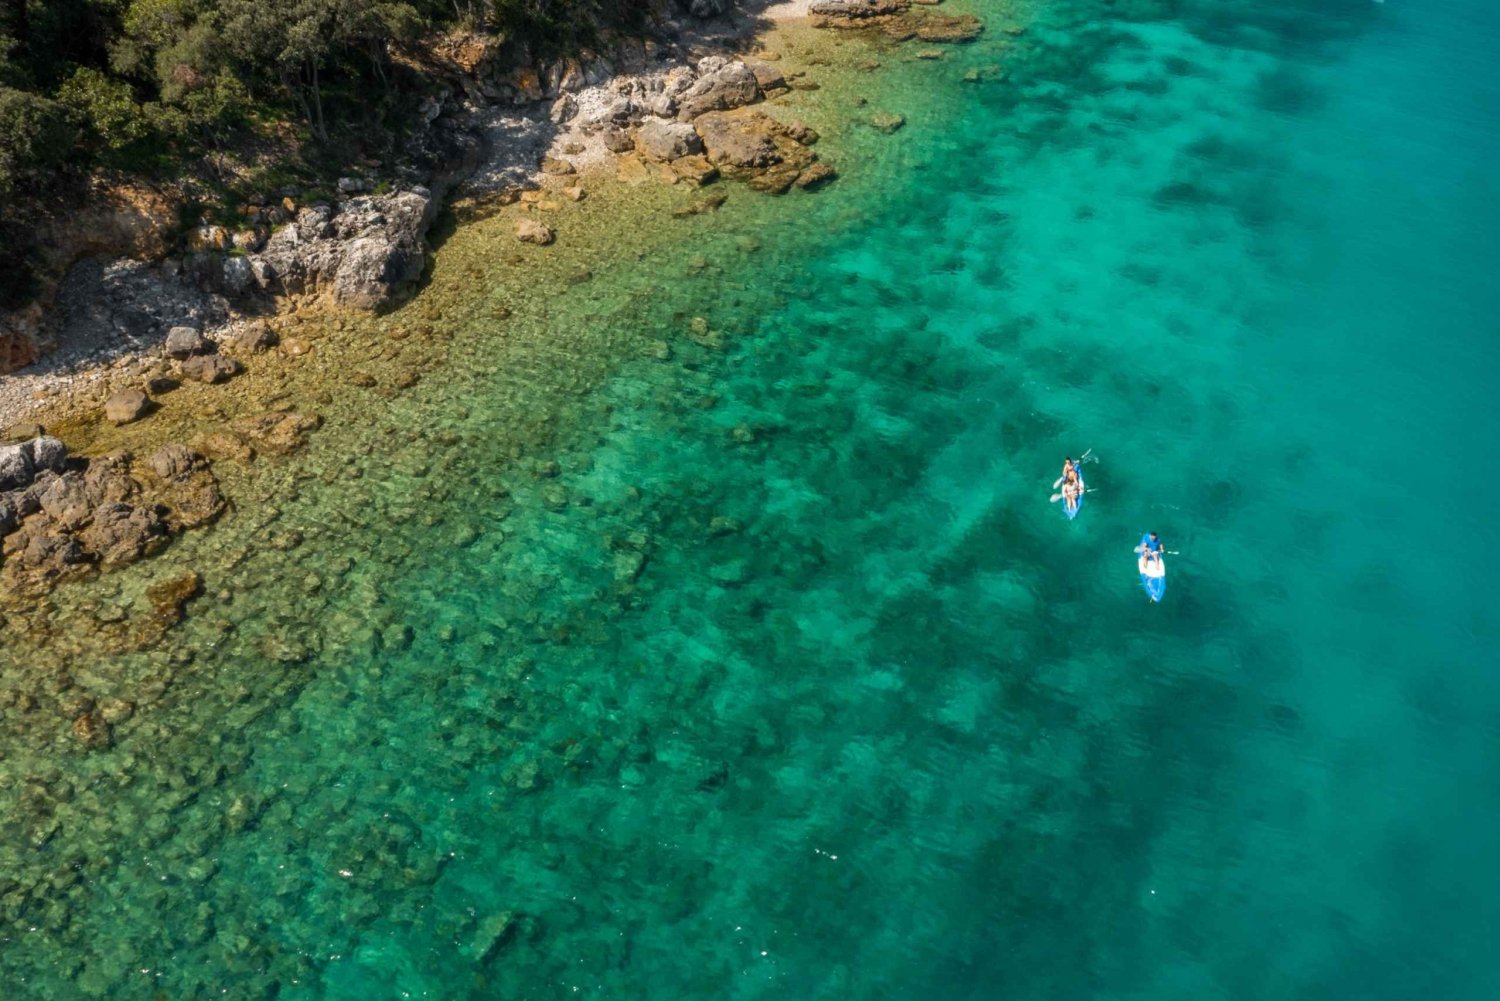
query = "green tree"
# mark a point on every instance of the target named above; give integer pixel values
(108, 108)
(301, 40)
(36, 137)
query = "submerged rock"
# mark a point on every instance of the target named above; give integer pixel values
(92, 731)
(169, 597)
(493, 931)
(857, 9)
(949, 28)
(532, 231)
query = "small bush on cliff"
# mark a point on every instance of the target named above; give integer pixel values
(111, 116)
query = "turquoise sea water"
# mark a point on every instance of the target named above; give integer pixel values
(786, 681)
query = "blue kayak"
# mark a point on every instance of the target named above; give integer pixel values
(1155, 584)
(1072, 510)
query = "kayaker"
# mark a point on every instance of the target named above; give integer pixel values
(1152, 544)
(1072, 490)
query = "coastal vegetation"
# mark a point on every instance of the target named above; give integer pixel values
(210, 90)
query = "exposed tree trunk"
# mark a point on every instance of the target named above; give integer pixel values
(378, 58)
(296, 88)
(322, 130)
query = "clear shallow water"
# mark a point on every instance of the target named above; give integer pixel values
(786, 681)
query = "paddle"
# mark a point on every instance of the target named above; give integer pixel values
(1057, 497)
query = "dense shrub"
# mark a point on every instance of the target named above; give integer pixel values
(36, 136)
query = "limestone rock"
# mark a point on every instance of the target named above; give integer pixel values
(563, 109)
(617, 140)
(237, 275)
(48, 453)
(696, 170)
(16, 466)
(362, 255)
(175, 462)
(767, 76)
(661, 140)
(125, 406)
(253, 338)
(731, 85)
(737, 140)
(122, 534)
(189, 490)
(224, 445)
(210, 368)
(69, 502)
(184, 341)
(885, 122)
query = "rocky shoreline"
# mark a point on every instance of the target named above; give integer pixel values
(682, 110)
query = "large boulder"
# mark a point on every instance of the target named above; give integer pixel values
(719, 88)
(363, 255)
(750, 145)
(667, 140)
(125, 406)
(738, 140)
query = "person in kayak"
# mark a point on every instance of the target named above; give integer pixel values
(1150, 563)
(1152, 544)
(1072, 490)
